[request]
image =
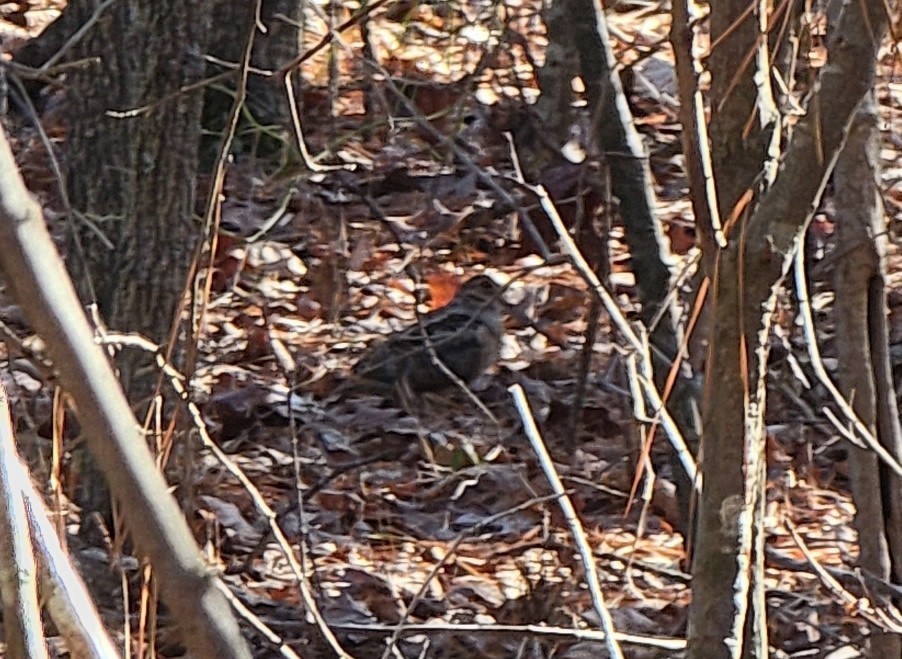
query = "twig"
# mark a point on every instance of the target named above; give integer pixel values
(699, 169)
(362, 13)
(821, 372)
(646, 378)
(66, 598)
(861, 605)
(644, 467)
(63, 190)
(590, 336)
(18, 570)
(579, 536)
(674, 644)
(309, 161)
(878, 585)
(255, 622)
(211, 221)
(77, 35)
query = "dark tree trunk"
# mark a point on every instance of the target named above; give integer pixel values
(554, 106)
(728, 549)
(727, 614)
(862, 339)
(266, 101)
(632, 184)
(737, 147)
(132, 161)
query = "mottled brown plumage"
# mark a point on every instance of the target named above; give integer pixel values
(464, 335)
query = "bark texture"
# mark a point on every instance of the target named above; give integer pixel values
(554, 106)
(861, 338)
(631, 180)
(131, 156)
(277, 43)
(750, 272)
(132, 161)
(737, 146)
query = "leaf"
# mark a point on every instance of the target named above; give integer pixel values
(442, 288)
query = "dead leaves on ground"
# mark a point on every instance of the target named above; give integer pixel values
(387, 494)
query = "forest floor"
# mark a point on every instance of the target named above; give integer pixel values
(441, 517)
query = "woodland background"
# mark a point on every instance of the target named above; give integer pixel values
(694, 208)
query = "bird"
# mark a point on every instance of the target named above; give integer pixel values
(459, 341)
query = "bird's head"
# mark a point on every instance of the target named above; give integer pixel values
(481, 288)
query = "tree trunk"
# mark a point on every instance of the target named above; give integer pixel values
(860, 325)
(737, 147)
(726, 614)
(729, 547)
(554, 107)
(267, 112)
(632, 184)
(132, 162)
